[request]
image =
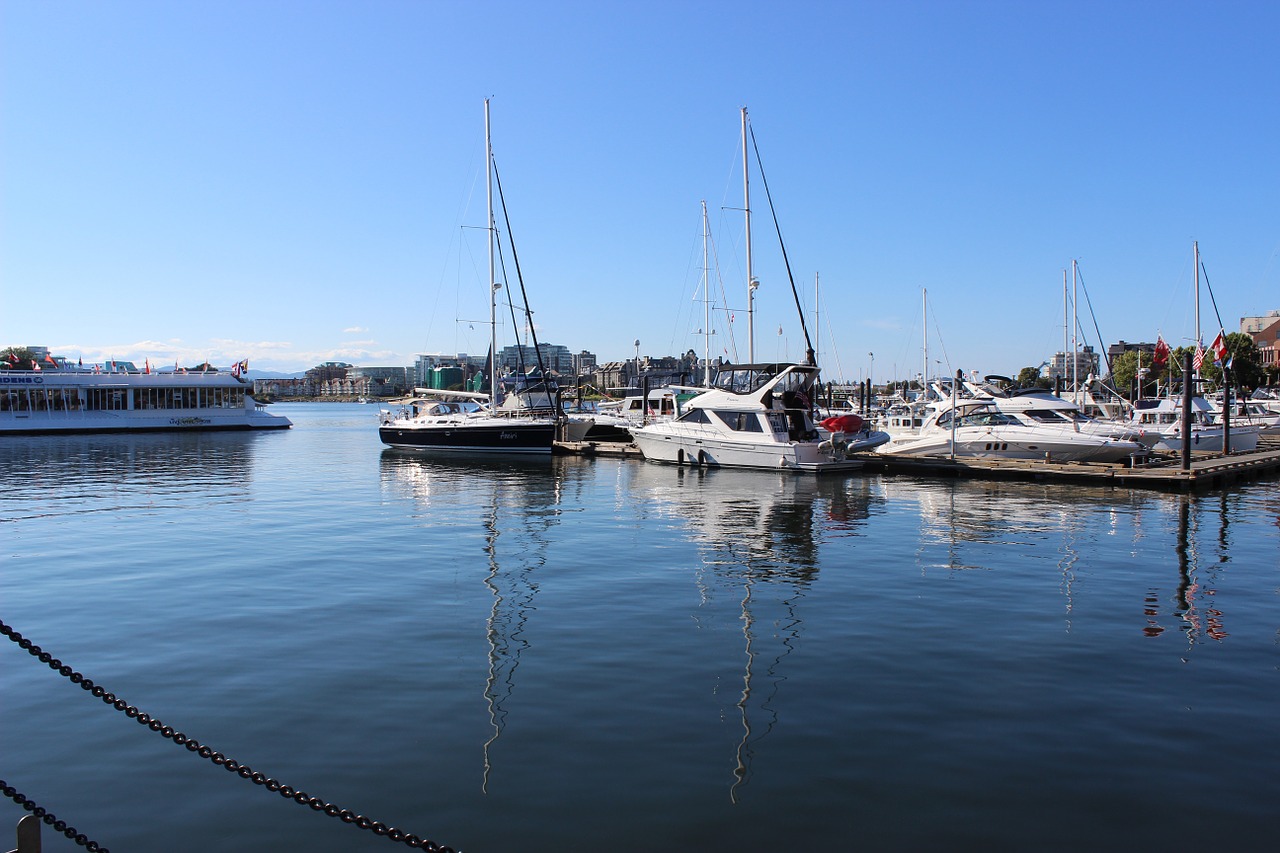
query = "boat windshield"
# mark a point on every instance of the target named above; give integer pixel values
(747, 378)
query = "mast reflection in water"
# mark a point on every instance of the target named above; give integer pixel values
(758, 531)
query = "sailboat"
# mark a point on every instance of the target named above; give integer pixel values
(758, 415)
(457, 421)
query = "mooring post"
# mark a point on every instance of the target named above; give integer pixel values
(1188, 384)
(28, 835)
(1226, 409)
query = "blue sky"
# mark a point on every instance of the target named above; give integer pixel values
(297, 182)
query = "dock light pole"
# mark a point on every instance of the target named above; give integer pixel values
(870, 385)
(638, 365)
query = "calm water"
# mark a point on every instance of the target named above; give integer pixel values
(616, 656)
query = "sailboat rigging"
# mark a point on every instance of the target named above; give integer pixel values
(454, 420)
(760, 415)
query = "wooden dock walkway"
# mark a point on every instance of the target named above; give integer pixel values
(1208, 470)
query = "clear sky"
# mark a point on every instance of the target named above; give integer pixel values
(298, 182)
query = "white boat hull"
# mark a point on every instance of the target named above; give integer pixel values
(665, 443)
(1013, 443)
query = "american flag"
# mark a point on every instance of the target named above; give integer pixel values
(1199, 357)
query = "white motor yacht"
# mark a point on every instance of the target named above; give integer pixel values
(982, 430)
(1162, 417)
(757, 416)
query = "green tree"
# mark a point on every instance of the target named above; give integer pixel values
(1028, 377)
(16, 358)
(1246, 363)
(1125, 367)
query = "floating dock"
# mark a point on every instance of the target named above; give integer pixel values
(1208, 470)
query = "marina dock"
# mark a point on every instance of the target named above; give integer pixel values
(1208, 471)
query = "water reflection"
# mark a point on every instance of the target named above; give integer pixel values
(60, 475)
(1193, 605)
(959, 521)
(519, 500)
(760, 534)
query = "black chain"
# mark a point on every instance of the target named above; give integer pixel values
(51, 819)
(244, 771)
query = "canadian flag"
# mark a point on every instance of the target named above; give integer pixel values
(1219, 347)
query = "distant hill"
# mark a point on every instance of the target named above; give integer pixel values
(251, 374)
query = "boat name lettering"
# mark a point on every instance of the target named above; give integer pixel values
(21, 380)
(189, 422)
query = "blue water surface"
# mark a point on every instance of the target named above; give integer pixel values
(611, 655)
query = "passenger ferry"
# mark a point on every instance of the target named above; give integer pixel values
(39, 402)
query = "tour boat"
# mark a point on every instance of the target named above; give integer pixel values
(35, 402)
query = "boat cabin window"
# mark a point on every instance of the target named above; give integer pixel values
(694, 416)
(741, 421)
(1045, 416)
(980, 417)
(987, 419)
(40, 400)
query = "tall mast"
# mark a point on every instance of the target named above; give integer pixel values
(493, 284)
(924, 308)
(1066, 321)
(751, 282)
(1195, 255)
(817, 317)
(1075, 341)
(706, 298)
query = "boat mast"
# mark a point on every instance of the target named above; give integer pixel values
(924, 308)
(1075, 341)
(817, 316)
(1195, 255)
(706, 298)
(752, 284)
(1066, 313)
(493, 284)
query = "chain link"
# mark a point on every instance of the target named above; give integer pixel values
(51, 819)
(192, 745)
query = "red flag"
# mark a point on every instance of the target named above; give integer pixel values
(1161, 354)
(1219, 347)
(49, 358)
(147, 366)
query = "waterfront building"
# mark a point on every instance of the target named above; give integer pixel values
(1266, 335)
(379, 381)
(1086, 364)
(555, 358)
(1254, 325)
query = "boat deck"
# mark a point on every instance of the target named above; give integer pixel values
(1208, 470)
